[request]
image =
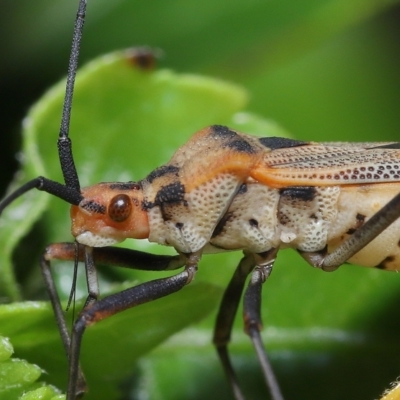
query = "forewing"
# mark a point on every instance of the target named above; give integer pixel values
(331, 164)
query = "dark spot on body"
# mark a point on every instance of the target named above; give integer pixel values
(253, 222)
(303, 193)
(170, 198)
(384, 264)
(222, 132)
(275, 143)
(242, 189)
(161, 171)
(221, 224)
(283, 218)
(172, 193)
(389, 259)
(168, 195)
(125, 186)
(179, 225)
(146, 205)
(231, 139)
(92, 206)
(360, 218)
(241, 145)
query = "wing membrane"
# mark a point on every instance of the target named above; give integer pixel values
(331, 164)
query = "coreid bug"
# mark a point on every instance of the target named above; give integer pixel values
(232, 147)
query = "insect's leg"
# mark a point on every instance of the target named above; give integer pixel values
(118, 302)
(226, 316)
(252, 317)
(91, 277)
(359, 239)
(227, 313)
(92, 280)
(115, 256)
(104, 255)
(59, 315)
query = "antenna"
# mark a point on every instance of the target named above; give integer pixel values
(64, 142)
(70, 191)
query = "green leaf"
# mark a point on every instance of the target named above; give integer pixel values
(112, 347)
(18, 377)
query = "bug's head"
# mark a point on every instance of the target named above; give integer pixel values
(109, 213)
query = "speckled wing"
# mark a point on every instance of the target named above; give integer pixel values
(314, 164)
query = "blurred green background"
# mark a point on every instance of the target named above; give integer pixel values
(324, 70)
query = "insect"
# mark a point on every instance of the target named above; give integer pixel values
(169, 196)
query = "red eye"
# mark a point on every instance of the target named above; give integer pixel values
(120, 208)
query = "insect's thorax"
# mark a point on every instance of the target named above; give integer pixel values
(186, 198)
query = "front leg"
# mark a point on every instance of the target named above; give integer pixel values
(114, 304)
(104, 255)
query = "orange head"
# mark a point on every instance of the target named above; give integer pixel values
(110, 213)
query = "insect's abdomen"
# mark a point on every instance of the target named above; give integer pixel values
(356, 204)
(260, 218)
(251, 222)
(308, 219)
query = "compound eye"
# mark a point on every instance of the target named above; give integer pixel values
(120, 208)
